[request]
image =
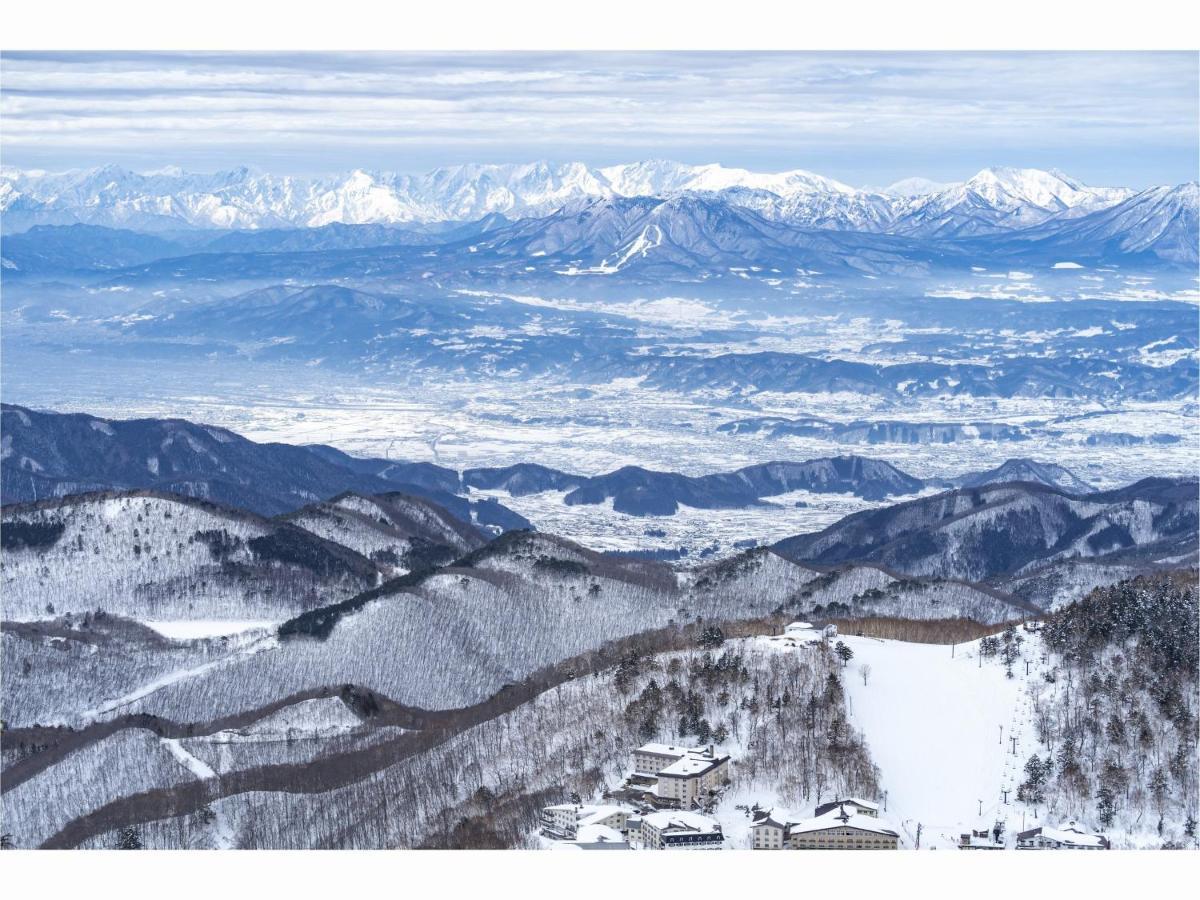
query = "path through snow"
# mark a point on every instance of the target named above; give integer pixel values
(223, 833)
(266, 643)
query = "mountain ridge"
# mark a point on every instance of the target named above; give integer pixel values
(242, 199)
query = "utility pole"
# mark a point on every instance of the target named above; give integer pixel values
(1001, 741)
(1014, 744)
(981, 807)
(1026, 668)
(1005, 791)
(885, 801)
(920, 828)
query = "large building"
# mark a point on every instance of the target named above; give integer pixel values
(648, 759)
(679, 830)
(683, 775)
(1068, 836)
(692, 778)
(564, 821)
(840, 828)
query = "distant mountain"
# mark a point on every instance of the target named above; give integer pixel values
(522, 479)
(82, 248)
(1160, 224)
(1031, 470)
(241, 199)
(56, 454)
(653, 218)
(692, 234)
(996, 532)
(914, 187)
(639, 491)
(1000, 200)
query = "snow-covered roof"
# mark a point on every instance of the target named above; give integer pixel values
(779, 817)
(598, 834)
(798, 636)
(864, 804)
(663, 749)
(590, 815)
(1067, 833)
(692, 765)
(842, 818)
(799, 626)
(681, 820)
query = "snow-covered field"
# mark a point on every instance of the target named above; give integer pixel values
(191, 630)
(600, 527)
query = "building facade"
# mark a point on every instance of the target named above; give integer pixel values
(680, 831)
(563, 821)
(689, 779)
(840, 828)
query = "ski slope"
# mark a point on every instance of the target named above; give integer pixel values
(940, 727)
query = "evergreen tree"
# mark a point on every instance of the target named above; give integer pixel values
(845, 654)
(1105, 806)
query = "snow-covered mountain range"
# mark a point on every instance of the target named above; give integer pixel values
(994, 200)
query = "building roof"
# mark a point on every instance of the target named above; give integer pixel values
(600, 834)
(692, 765)
(590, 815)
(798, 626)
(587, 813)
(680, 821)
(862, 804)
(842, 817)
(1070, 833)
(663, 749)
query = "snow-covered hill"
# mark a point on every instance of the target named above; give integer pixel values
(939, 723)
(153, 557)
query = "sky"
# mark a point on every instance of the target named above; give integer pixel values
(867, 119)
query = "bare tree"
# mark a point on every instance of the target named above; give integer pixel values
(865, 671)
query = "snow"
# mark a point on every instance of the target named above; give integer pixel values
(834, 818)
(598, 834)
(1070, 833)
(269, 642)
(196, 766)
(241, 199)
(684, 820)
(198, 629)
(691, 765)
(939, 727)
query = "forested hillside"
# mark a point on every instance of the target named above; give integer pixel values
(1117, 718)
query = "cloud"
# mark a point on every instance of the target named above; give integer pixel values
(1133, 114)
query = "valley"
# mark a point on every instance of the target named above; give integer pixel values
(408, 511)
